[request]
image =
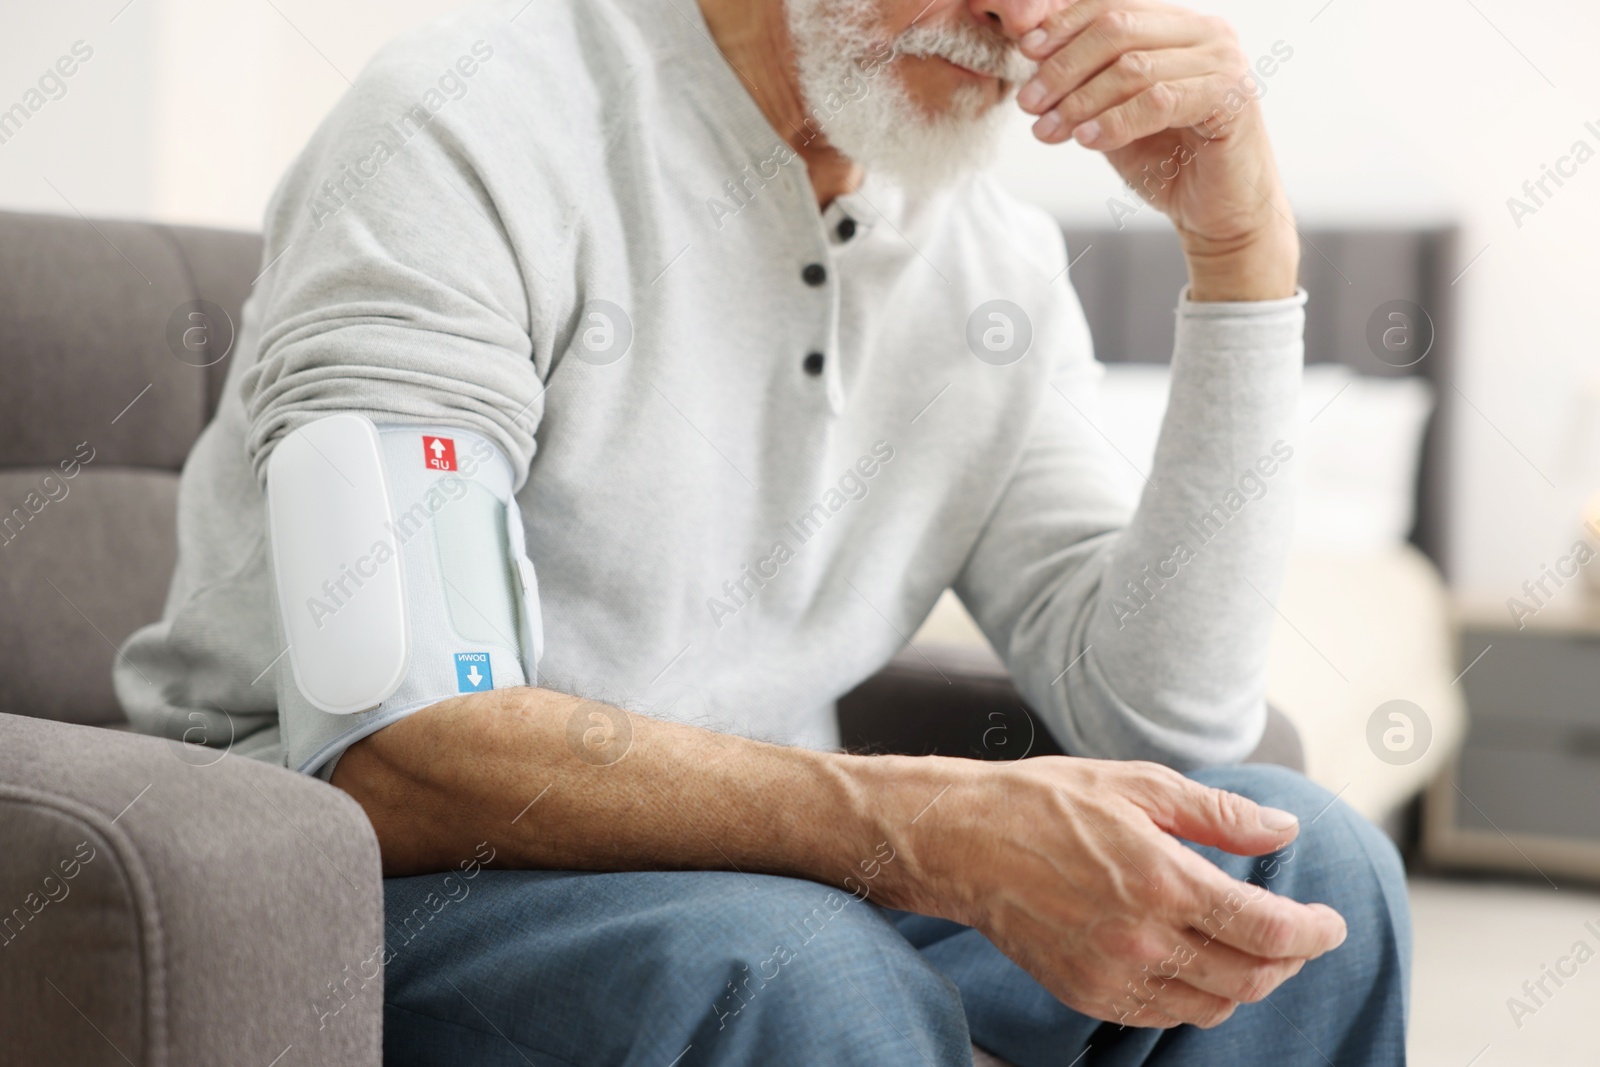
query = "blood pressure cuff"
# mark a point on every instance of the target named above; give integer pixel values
(401, 578)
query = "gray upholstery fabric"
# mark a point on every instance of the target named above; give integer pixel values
(84, 315)
(222, 265)
(81, 575)
(85, 310)
(1280, 743)
(77, 908)
(216, 906)
(83, 326)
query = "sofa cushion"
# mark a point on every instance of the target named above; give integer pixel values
(83, 326)
(85, 571)
(223, 265)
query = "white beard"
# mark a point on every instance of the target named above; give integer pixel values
(845, 69)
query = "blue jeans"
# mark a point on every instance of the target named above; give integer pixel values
(705, 967)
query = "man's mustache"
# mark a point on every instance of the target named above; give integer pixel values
(968, 46)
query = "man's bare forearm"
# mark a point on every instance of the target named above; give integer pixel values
(1044, 856)
(522, 769)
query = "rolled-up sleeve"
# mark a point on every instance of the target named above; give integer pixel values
(400, 297)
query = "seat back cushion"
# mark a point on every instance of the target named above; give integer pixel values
(108, 378)
(77, 577)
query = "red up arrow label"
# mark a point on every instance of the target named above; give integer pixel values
(439, 453)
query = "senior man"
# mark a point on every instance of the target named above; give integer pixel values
(709, 310)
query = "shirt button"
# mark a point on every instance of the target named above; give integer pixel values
(846, 229)
(813, 364)
(814, 274)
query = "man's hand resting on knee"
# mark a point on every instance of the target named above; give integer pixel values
(1071, 867)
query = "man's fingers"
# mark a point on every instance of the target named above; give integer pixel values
(1095, 52)
(1185, 808)
(1158, 108)
(1112, 72)
(1140, 94)
(1224, 971)
(1153, 998)
(1247, 917)
(1073, 20)
(1261, 923)
(1148, 1018)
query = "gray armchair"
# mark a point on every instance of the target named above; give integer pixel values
(167, 904)
(159, 904)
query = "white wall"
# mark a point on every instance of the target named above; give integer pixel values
(92, 144)
(189, 110)
(1402, 111)
(242, 83)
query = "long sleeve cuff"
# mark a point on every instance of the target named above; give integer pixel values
(1232, 326)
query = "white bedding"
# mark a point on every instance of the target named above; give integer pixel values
(1371, 628)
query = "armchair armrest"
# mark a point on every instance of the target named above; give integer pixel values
(157, 912)
(958, 700)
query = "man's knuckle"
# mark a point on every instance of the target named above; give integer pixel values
(1218, 28)
(1276, 935)
(1136, 63)
(1053, 70)
(1215, 1014)
(1213, 805)
(1128, 945)
(1135, 769)
(1119, 25)
(1119, 943)
(1166, 888)
(1162, 99)
(1154, 778)
(1113, 125)
(1257, 980)
(1242, 812)
(1151, 948)
(1075, 107)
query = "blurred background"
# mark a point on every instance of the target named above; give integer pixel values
(1423, 116)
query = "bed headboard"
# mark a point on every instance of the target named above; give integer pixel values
(1126, 281)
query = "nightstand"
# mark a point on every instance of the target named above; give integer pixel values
(1524, 794)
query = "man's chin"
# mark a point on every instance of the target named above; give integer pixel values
(921, 145)
(932, 159)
